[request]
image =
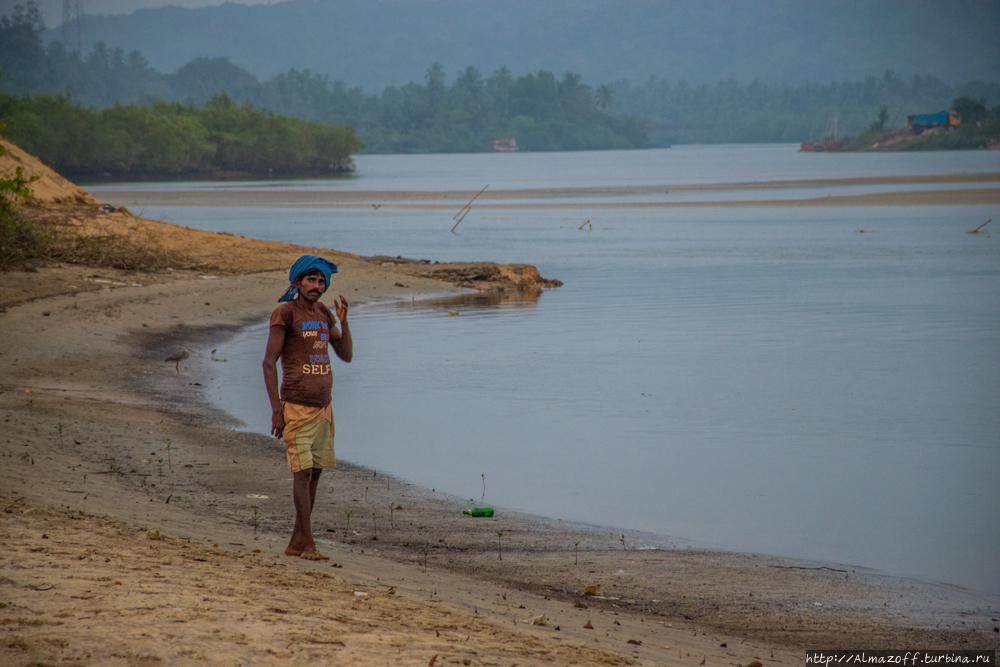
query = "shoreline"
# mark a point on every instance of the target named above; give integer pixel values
(124, 414)
(639, 538)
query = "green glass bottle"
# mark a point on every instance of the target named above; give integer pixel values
(479, 511)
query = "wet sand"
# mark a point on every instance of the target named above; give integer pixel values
(90, 441)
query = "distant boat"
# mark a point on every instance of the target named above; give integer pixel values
(830, 145)
(505, 146)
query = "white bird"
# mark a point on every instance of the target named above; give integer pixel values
(178, 358)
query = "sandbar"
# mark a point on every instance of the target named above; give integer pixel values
(495, 199)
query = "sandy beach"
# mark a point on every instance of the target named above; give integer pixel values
(497, 199)
(138, 527)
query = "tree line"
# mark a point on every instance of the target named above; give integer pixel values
(540, 110)
(169, 139)
(731, 112)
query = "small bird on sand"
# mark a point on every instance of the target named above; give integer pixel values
(178, 358)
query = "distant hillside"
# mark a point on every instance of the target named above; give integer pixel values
(376, 43)
(540, 110)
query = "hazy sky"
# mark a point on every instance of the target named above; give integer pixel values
(52, 9)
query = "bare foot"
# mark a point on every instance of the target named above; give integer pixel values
(292, 551)
(314, 556)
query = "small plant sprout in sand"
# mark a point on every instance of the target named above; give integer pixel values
(348, 528)
(576, 552)
(374, 527)
(424, 561)
(60, 427)
(114, 468)
(392, 507)
(499, 546)
(159, 463)
(483, 499)
(366, 494)
(255, 518)
(622, 540)
(170, 463)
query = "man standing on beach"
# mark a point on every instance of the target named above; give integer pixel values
(302, 328)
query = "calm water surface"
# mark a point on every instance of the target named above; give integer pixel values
(767, 380)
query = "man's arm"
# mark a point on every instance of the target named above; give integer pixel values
(342, 344)
(275, 343)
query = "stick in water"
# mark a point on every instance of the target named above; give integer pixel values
(461, 219)
(976, 230)
(586, 223)
(467, 208)
(470, 202)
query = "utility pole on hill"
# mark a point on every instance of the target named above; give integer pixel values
(74, 33)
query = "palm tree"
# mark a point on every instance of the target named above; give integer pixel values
(470, 80)
(435, 82)
(605, 96)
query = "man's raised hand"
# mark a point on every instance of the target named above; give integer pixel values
(342, 343)
(341, 307)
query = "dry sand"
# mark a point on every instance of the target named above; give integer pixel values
(104, 442)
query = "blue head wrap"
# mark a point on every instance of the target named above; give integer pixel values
(303, 264)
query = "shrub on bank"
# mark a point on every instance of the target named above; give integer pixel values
(19, 240)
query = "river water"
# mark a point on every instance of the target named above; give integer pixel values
(760, 379)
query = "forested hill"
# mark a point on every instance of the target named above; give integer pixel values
(540, 111)
(377, 43)
(467, 110)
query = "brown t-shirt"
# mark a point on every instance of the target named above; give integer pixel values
(305, 358)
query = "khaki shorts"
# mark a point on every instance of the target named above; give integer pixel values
(308, 437)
